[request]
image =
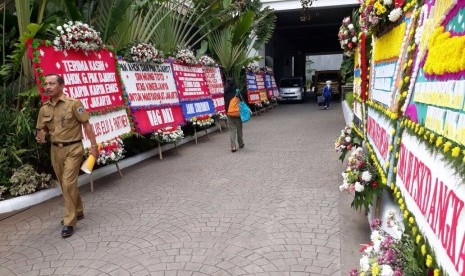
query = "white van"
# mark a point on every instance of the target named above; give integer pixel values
(291, 89)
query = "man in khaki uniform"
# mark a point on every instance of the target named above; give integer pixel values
(61, 117)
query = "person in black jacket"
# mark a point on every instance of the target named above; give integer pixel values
(234, 123)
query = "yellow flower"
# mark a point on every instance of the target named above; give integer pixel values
(414, 230)
(395, 169)
(429, 260)
(400, 201)
(439, 141)
(436, 272)
(423, 249)
(406, 79)
(402, 207)
(387, 164)
(390, 148)
(375, 269)
(447, 146)
(397, 155)
(406, 213)
(455, 152)
(411, 220)
(392, 186)
(393, 131)
(418, 239)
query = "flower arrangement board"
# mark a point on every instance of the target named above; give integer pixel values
(274, 87)
(190, 81)
(268, 85)
(436, 97)
(253, 94)
(155, 118)
(218, 102)
(90, 76)
(214, 80)
(379, 133)
(108, 126)
(200, 107)
(260, 79)
(432, 193)
(149, 84)
(389, 57)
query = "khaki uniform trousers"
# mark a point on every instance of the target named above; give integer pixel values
(66, 162)
(235, 130)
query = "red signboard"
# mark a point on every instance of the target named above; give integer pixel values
(190, 81)
(253, 97)
(89, 76)
(149, 120)
(218, 101)
(214, 80)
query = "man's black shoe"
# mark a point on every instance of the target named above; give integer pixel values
(67, 231)
(79, 217)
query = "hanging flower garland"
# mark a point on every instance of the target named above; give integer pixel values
(145, 52)
(346, 141)
(207, 61)
(348, 35)
(168, 135)
(185, 56)
(77, 36)
(361, 179)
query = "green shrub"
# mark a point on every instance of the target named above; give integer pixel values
(26, 180)
(349, 97)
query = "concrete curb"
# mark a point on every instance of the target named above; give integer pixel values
(348, 113)
(18, 203)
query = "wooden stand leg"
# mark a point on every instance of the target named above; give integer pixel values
(91, 183)
(195, 134)
(206, 132)
(219, 124)
(176, 146)
(119, 171)
(160, 154)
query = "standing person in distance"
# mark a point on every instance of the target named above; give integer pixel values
(234, 118)
(327, 91)
(62, 118)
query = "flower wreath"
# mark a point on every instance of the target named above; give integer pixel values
(168, 135)
(185, 56)
(253, 68)
(145, 52)
(360, 178)
(207, 61)
(77, 36)
(376, 15)
(109, 152)
(202, 121)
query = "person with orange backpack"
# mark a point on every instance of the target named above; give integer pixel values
(231, 101)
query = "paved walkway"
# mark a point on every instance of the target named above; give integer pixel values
(272, 208)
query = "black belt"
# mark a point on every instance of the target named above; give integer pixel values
(64, 144)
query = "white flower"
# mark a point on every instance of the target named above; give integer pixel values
(418, 34)
(354, 39)
(386, 270)
(368, 250)
(359, 187)
(366, 176)
(395, 14)
(364, 263)
(350, 26)
(387, 2)
(344, 187)
(345, 176)
(347, 139)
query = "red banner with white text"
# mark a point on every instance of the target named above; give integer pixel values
(214, 80)
(89, 76)
(218, 101)
(190, 81)
(146, 120)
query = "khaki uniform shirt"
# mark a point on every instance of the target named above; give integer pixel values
(63, 119)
